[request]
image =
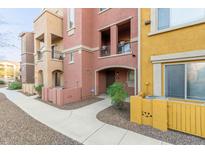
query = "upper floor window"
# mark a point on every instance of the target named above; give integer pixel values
(171, 17)
(71, 18)
(71, 57)
(103, 9)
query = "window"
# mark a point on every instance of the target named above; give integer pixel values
(71, 18)
(103, 9)
(174, 81)
(196, 81)
(170, 17)
(130, 75)
(185, 81)
(71, 58)
(53, 51)
(57, 79)
(131, 78)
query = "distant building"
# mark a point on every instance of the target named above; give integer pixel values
(27, 57)
(9, 70)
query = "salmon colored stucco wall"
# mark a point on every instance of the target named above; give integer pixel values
(86, 33)
(175, 41)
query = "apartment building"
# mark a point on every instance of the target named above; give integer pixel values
(27, 57)
(9, 70)
(48, 44)
(80, 52)
(172, 67)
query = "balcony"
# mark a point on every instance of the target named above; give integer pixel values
(57, 55)
(48, 22)
(105, 51)
(39, 55)
(124, 47)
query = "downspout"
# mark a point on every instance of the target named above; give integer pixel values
(138, 51)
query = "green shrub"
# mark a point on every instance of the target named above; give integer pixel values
(118, 94)
(2, 82)
(38, 88)
(15, 85)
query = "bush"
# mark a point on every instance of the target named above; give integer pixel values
(15, 85)
(118, 94)
(2, 82)
(38, 88)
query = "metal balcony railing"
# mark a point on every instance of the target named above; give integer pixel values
(105, 50)
(57, 55)
(124, 47)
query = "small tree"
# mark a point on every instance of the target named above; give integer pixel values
(118, 94)
(38, 88)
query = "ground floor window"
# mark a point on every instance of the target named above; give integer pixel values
(185, 81)
(131, 78)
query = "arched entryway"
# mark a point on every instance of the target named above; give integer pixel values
(104, 77)
(57, 78)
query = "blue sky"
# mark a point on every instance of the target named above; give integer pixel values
(12, 22)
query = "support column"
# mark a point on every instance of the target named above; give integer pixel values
(36, 48)
(157, 81)
(47, 60)
(114, 39)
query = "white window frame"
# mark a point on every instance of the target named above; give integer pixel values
(69, 17)
(71, 57)
(154, 23)
(101, 11)
(185, 79)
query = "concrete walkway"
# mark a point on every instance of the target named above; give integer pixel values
(80, 124)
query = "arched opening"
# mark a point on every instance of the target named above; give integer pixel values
(107, 76)
(57, 78)
(40, 77)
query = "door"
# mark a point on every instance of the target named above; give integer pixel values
(110, 78)
(57, 79)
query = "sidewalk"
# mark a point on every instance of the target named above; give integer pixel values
(80, 124)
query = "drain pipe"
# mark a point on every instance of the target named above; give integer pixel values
(138, 51)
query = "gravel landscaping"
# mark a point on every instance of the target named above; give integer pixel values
(17, 127)
(121, 118)
(74, 105)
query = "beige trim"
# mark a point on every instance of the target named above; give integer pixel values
(154, 20)
(100, 12)
(80, 47)
(115, 23)
(157, 79)
(182, 56)
(27, 64)
(115, 55)
(71, 31)
(47, 12)
(30, 53)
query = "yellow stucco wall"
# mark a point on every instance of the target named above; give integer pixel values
(175, 41)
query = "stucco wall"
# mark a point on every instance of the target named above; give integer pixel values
(180, 40)
(81, 73)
